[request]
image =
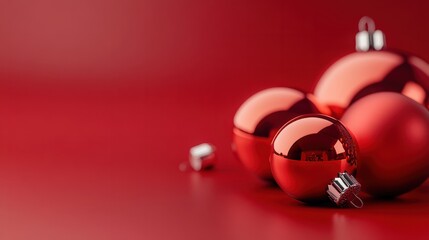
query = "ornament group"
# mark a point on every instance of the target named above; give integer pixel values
(366, 125)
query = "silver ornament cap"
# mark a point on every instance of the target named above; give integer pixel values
(344, 189)
(202, 157)
(369, 38)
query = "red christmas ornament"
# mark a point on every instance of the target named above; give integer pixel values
(393, 136)
(370, 70)
(258, 120)
(308, 152)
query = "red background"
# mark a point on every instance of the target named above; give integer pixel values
(101, 100)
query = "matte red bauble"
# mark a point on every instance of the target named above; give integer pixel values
(258, 120)
(393, 136)
(370, 70)
(308, 152)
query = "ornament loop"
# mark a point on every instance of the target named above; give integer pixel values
(360, 204)
(366, 24)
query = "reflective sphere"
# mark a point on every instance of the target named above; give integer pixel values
(362, 73)
(393, 136)
(308, 152)
(258, 120)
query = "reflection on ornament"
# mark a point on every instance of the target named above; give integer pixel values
(308, 152)
(258, 120)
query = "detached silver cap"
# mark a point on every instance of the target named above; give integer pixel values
(202, 156)
(344, 189)
(368, 38)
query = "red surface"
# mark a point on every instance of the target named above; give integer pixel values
(101, 100)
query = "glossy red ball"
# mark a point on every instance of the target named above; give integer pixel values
(362, 73)
(393, 136)
(258, 120)
(308, 152)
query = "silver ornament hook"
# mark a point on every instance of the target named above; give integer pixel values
(360, 201)
(366, 24)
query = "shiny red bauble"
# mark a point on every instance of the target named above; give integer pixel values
(393, 136)
(362, 73)
(258, 120)
(308, 152)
